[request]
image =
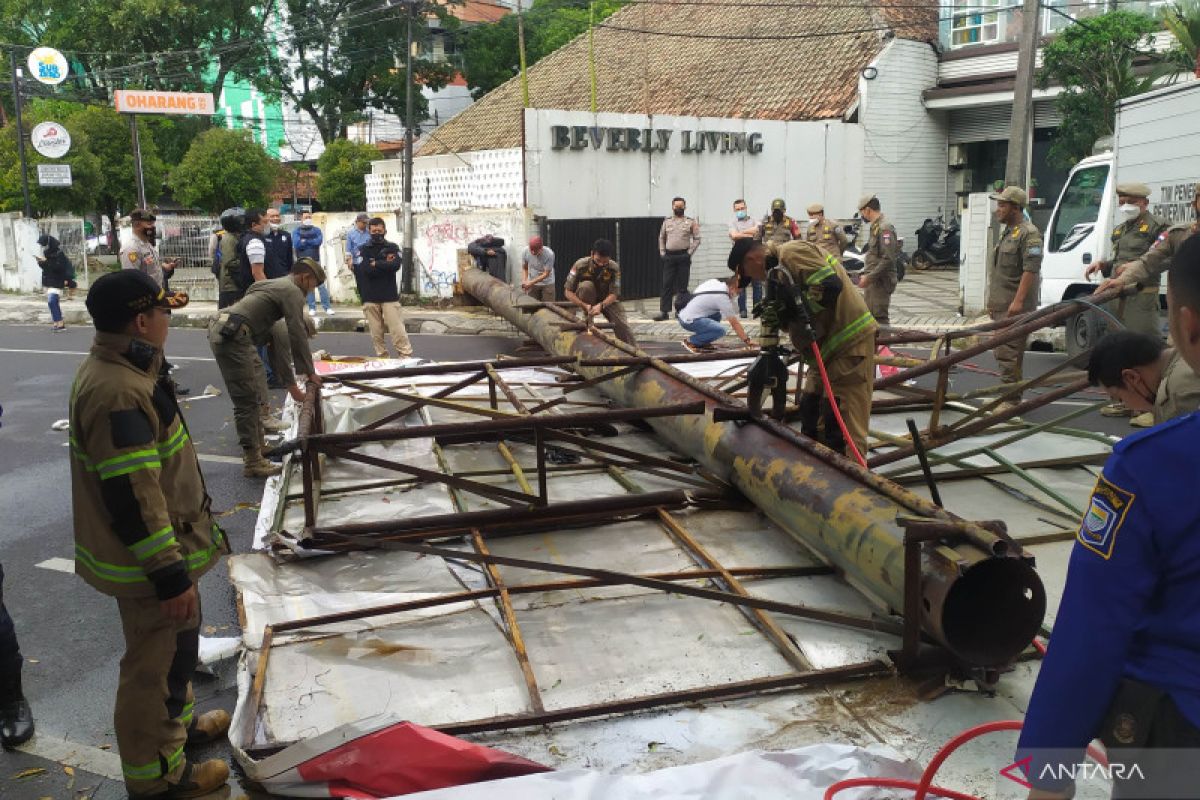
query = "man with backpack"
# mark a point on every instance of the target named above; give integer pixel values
(700, 313)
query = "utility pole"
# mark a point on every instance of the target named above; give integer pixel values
(521, 54)
(139, 177)
(16, 87)
(407, 273)
(1016, 169)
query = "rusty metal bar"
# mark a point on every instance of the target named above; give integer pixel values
(585, 384)
(416, 405)
(498, 382)
(449, 368)
(419, 401)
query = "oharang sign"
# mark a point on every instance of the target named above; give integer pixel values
(648, 140)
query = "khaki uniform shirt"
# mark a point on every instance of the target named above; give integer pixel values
(846, 321)
(828, 236)
(142, 516)
(1133, 238)
(607, 279)
(883, 246)
(772, 232)
(1149, 268)
(144, 256)
(1178, 391)
(1018, 251)
(678, 233)
(267, 303)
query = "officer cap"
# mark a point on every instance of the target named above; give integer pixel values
(312, 266)
(1012, 194)
(141, 215)
(778, 205)
(866, 198)
(1134, 190)
(816, 208)
(117, 297)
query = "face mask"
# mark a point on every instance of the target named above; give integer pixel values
(813, 221)
(679, 212)
(777, 215)
(742, 214)
(377, 238)
(151, 235)
(1129, 211)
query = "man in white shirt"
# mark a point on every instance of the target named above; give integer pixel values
(709, 304)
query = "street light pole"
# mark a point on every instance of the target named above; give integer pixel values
(407, 274)
(16, 84)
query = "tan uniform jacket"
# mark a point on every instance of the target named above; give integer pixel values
(265, 304)
(607, 279)
(772, 232)
(142, 256)
(829, 236)
(1133, 238)
(1178, 391)
(1019, 250)
(1149, 268)
(838, 326)
(143, 525)
(882, 248)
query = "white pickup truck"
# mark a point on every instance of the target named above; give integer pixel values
(1156, 142)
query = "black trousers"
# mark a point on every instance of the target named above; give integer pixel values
(10, 651)
(677, 268)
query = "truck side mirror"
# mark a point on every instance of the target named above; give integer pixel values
(1087, 259)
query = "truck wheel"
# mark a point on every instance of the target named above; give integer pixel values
(1084, 330)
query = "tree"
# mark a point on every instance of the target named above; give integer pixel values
(224, 168)
(340, 171)
(86, 172)
(490, 56)
(344, 59)
(1094, 61)
(1183, 20)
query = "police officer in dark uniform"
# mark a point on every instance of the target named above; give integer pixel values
(1124, 659)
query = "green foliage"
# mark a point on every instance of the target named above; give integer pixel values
(1182, 18)
(224, 168)
(491, 56)
(1094, 62)
(86, 171)
(340, 171)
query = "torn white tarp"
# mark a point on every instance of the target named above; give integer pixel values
(801, 773)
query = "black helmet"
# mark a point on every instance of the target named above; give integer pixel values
(233, 219)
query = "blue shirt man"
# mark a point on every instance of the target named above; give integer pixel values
(356, 237)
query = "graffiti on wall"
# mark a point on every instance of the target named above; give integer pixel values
(439, 237)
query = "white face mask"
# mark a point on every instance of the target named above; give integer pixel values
(1129, 210)
(813, 220)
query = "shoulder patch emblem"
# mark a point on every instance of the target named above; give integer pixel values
(1033, 252)
(887, 237)
(133, 257)
(1144, 228)
(1103, 518)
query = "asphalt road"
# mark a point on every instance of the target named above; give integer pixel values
(70, 634)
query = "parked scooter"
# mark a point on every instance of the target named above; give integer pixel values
(854, 256)
(937, 243)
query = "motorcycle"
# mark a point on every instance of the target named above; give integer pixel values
(854, 256)
(937, 244)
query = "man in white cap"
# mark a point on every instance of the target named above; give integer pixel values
(1014, 280)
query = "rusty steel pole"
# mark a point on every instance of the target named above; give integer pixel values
(982, 599)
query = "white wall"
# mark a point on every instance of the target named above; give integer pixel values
(802, 162)
(904, 155)
(19, 271)
(438, 236)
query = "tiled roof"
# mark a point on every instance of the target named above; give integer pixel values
(479, 11)
(718, 61)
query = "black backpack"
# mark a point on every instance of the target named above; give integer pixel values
(683, 298)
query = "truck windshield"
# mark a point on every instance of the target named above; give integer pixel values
(1078, 208)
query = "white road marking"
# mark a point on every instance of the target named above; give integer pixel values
(172, 358)
(104, 763)
(216, 459)
(58, 565)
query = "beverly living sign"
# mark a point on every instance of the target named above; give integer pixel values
(649, 140)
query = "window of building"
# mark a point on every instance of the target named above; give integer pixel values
(972, 22)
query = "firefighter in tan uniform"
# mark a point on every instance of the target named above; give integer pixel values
(271, 312)
(842, 324)
(144, 533)
(594, 284)
(1015, 278)
(824, 233)
(878, 280)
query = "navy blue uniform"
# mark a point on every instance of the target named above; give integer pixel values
(1131, 607)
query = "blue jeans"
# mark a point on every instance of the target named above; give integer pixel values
(264, 356)
(705, 330)
(312, 298)
(55, 309)
(757, 287)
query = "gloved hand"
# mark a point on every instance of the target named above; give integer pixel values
(768, 372)
(767, 311)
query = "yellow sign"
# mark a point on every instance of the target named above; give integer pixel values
(136, 101)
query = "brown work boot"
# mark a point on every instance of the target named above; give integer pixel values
(272, 425)
(1144, 420)
(255, 466)
(208, 727)
(200, 779)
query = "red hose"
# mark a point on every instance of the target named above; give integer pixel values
(837, 412)
(925, 786)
